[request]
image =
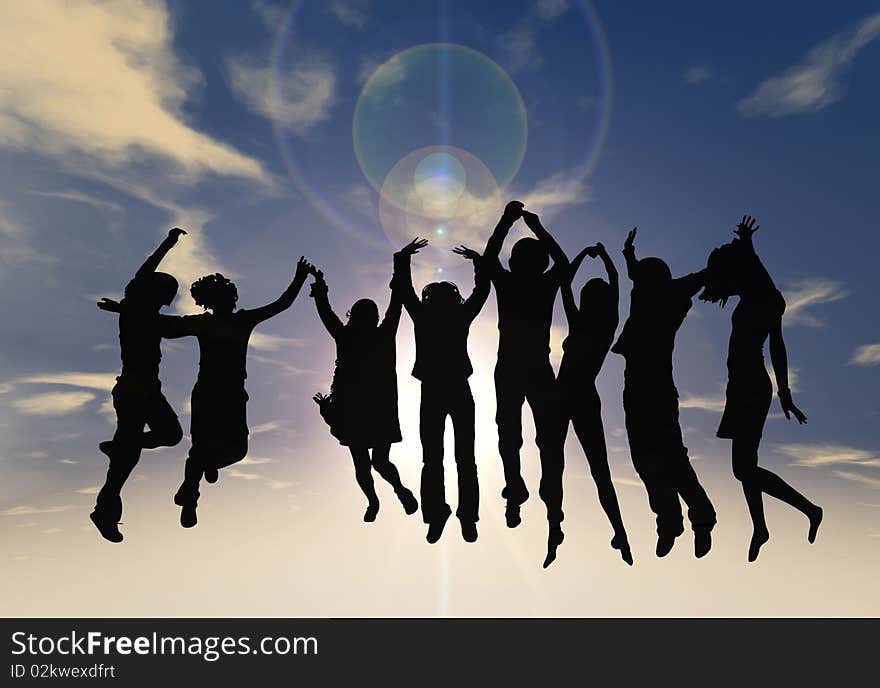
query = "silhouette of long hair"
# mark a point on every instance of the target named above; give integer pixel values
(442, 294)
(364, 314)
(725, 268)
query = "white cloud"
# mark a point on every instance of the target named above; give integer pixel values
(102, 79)
(270, 14)
(520, 48)
(549, 10)
(697, 74)
(867, 354)
(100, 381)
(555, 192)
(859, 478)
(821, 455)
(53, 403)
(90, 490)
(814, 82)
(704, 402)
(807, 293)
(272, 342)
(31, 510)
(350, 13)
(299, 99)
(79, 197)
(270, 426)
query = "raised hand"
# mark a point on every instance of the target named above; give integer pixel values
(109, 305)
(746, 227)
(414, 246)
(531, 219)
(176, 232)
(466, 253)
(629, 244)
(320, 399)
(595, 251)
(788, 407)
(513, 210)
(303, 269)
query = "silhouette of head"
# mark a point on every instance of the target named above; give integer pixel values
(153, 291)
(441, 295)
(215, 292)
(529, 257)
(364, 315)
(653, 272)
(724, 271)
(597, 300)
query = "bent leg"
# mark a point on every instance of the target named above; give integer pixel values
(381, 461)
(165, 430)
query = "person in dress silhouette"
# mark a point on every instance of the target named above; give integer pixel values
(658, 306)
(441, 322)
(735, 269)
(137, 394)
(218, 420)
(361, 408)
(526, 293)
(591, 330)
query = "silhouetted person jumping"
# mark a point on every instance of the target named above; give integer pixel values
(361, 408)
(526, 294)
(137, 394)
(736, 270)
(591, 331)
(658, 306)
(441, 321)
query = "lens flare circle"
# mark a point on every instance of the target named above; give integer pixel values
(439, 94)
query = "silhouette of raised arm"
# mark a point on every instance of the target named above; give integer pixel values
(533, 222)
(151, 264)
(512, 212)
(482, 284)
(287, 298)
(392, 313)
(401, 282)
(318, 292)
(597, 251)
(629, 253)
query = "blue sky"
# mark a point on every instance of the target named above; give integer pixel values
(120, 120)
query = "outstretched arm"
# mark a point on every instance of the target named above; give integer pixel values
(568, 302)
(392, 313)
(152, 263)
(629, 253)
(554, 249)
(110, 305)
(482, 283)
(401, 282)
(512, 212)
(286, 299)
(779, 359)
(610, 268)
(325, 311)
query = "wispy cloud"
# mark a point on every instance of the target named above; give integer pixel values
(269, 13)
(272, 342)
(53, 403)
(350, 12)
(90, 490)
(816, 81)
(32, 510)
(271, 483)
(697, 74)
(519, 44)
(79, 197)
(873, 483)
(822, 455)
(866, 355)
(805, 294)
(704, 402)
(555, 192)
(52, 103)
(99, 381)
(298, 99)
(549, 10)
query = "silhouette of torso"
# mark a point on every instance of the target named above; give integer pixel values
(648, 336)
(223, 343)
(585, 349)
(525, 312)
(139, 338)
(441, 342)
(366, 361)
(752, 320)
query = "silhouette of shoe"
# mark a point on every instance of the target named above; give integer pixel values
(758, 539)
(188, 516)
(435, 529)
(469, 531)
(815, 520)
(619, 542)
(108, 527)
(554, 539)
(371, 512)
(211, 475)
(511, 514)
(664, 544)
(409, 501)
(702, 542)
(106, 447)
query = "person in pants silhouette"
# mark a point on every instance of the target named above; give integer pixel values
(591, 331)
(736, 270)
(137, 394)
(658, 306)
(441, 321)
(526, 294)
(361, 408)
